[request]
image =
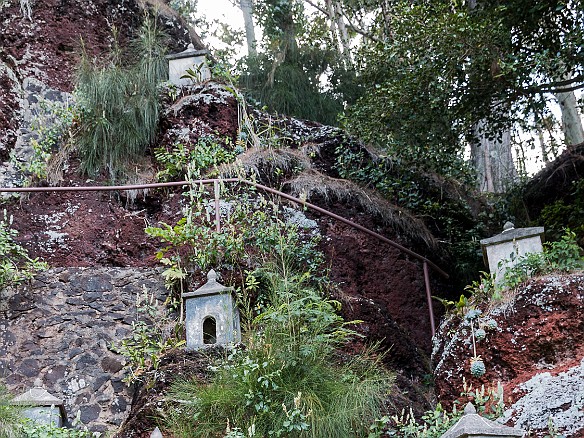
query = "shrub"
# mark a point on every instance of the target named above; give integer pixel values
(183, 160)
(119, 103)
(154, 333)
(250, 228)
(561, 256)
(288, 380)
(434, 423)
(565, 213)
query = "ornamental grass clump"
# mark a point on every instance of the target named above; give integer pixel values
(287, 382)
(119, 103)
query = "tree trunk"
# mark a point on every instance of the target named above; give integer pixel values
(246, 7)
(492, 157)
(493, 161)
(344, 47)
(571, 120)
(542, 145)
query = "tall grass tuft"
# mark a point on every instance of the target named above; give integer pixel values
(119, 103)
(289, 381)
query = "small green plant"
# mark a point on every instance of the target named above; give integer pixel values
(561, 256)
(565, 213)
(484, 289)
(480, 334)
(250, 228)
(14, 425)
(15, 264)
(31, 428)
(458, 308)
(553, 431)
(184, 160)
(434, 423)
(377, 429)
(477, 367)
(154, 332)
(9, 415)
(194, 73)
(52, 129)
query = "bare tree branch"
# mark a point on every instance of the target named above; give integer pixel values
(348, 23)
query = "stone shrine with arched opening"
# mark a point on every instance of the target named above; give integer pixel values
(211, 315)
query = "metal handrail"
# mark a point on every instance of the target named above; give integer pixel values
(216, 181)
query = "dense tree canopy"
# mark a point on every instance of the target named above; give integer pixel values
(419, 79)
(437, 68)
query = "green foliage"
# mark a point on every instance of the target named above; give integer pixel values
(553, 431)
(15, 264)
(456, 307)
(565, 213)
(36, 430)
(154, 332)
(483, 289)
(14, 425)
(562, 256)
(250, 227)
(434, 423)
(406, 184)
(184, 160)
(494, 62)
(119, 103)
(293, 91)
(298, 51)
(186, 8)
(9, 415)
(51, 128)
(286, 382)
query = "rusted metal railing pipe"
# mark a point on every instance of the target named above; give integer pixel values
(217, 181)
(348, 222)
(112, 188)
(429, 298)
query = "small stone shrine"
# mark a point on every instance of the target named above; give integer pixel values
(211, 316)
(472, 425)
(193, 60)
(503, 250)
(42, 407)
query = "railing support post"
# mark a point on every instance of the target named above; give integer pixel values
(217, 206)
(429, 297)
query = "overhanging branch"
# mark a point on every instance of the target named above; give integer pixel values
(348, 23)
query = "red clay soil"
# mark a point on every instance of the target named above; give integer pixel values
(69, 229)
(50, 43)
(540, 331)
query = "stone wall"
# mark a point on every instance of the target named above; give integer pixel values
(57, 331)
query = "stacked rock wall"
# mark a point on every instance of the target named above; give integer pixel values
(57, 333)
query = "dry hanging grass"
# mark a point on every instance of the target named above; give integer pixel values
(264, 163)
(311, 183)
